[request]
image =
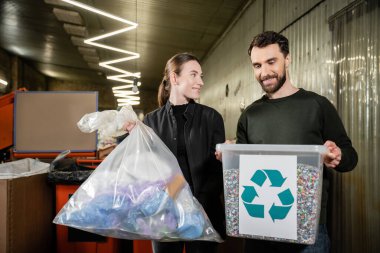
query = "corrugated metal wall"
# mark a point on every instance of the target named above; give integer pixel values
(281, 13)
(356, 74)
(229, 64)
(354, 89)
(310, 45)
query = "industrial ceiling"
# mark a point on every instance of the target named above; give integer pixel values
(50, 33)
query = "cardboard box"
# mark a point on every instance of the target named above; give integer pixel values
(273, 192)
(26, 214)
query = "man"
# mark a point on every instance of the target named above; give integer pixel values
(290, 115)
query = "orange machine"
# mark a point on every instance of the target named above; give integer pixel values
(6, 120)
(77, 241)
(74, 240)
(142, 246)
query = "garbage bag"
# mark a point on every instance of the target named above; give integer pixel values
(138, 192)
(66, 171)
(108, 123)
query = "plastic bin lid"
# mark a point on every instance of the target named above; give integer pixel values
(275, 148)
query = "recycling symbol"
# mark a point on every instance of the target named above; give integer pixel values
(250, 196)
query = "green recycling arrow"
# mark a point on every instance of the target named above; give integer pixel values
(279, 212)
(248, 194)
(259, 177)
(286, 197)
(255, 210)
(275, 178)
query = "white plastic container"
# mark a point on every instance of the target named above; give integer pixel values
(273, 192)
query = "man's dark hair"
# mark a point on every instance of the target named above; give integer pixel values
(267, 38)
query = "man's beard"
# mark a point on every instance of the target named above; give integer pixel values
(273, 89)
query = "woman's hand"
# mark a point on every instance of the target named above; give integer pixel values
(218, 154)
(129, 125)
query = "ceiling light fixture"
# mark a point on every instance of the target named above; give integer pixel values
(126, 97)
(67, 16)
(124, 76)
(56, 2)
(77, 30)
(78, 41)
(3, 82)
(87, 51)
(93, 59)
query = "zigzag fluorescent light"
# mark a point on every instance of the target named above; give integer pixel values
(3, 82)
(125, 96)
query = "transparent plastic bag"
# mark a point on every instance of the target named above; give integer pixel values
(109, 124)
(138, 192)
(22, 168)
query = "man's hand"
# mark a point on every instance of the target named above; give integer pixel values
(333, 156)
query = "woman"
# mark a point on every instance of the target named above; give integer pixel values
(191, 131)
